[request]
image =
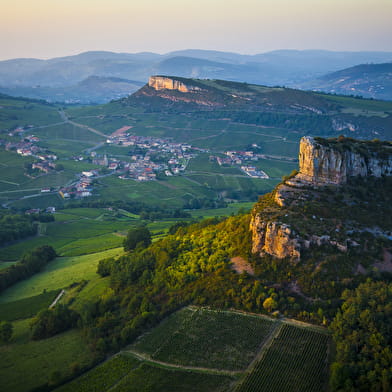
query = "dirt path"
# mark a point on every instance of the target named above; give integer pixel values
(53, 304)
(148, 359)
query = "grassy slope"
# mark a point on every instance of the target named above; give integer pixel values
(58, 274)
(26, 364)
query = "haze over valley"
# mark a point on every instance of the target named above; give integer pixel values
(98, 77)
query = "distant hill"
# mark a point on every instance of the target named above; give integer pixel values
(310, 112)
(367, 80)
(94, 89)
(283, 67)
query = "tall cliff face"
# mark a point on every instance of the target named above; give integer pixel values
(322, 164)
(165, 83)
(274, 238)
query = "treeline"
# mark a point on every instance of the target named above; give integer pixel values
(305, 122)
(145, 211)
(30, 263)
(49, 322)
(362, 331)
(197, 203)
(14, 226)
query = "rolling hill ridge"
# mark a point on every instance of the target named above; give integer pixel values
(367, 80)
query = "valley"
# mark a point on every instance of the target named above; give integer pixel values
(209, 172)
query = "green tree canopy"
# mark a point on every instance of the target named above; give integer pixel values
(362, 330)
(6, 329)
(138, 237)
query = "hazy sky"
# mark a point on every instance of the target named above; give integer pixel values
(50, 28)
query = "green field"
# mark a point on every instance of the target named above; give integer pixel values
(18, 112)
(68, 132)
(76, 232)
(26, 307)
(58, 274)
(102, 377)
(26, 364)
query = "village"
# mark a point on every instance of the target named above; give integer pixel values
(147, 158)
(241, 158)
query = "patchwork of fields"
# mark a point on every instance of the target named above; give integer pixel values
(68, 136)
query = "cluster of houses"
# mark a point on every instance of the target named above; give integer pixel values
(147, 148)
(240, 158)
(48, 210)
(251, 171)
(82, 188)
(27, 148)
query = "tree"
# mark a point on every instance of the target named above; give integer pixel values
(270, 304)
(49, 322)
(138, 237)
(6, 329)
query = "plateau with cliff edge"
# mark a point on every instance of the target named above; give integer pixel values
(286, 108)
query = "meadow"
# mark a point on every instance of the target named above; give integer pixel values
(27, 364)
(58, 274)
(26, 307)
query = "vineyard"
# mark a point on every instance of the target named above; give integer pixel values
(102, 377)
(297, 360)
(152, 378)
(199, 349)
(206, 338)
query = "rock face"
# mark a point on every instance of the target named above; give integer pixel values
(274, 238)
(165, 83)
(323, 164)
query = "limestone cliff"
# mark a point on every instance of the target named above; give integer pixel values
(322, 162)
(165, 83)
(334, 162)
(273, 238)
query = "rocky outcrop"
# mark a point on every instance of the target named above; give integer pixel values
(333, 162)
(274, 238)
(281, 241)
(165, 83)
(322, 164)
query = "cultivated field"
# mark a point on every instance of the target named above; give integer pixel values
(296, 361)
(189, 342)
(199, 349)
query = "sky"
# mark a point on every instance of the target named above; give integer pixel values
(53, 28)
